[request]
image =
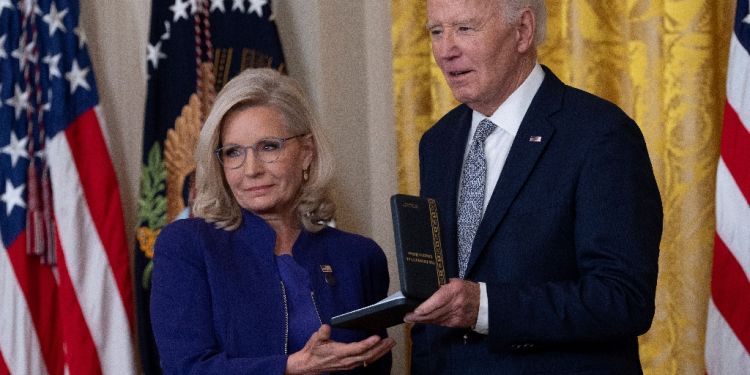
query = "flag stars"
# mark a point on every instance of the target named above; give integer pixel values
(77, 77)
(3, 54)
(168, 31)
(48, 106)
(55, 19)
(81, 35)
(13, 197)
(16, 149)
(20, 101)
(53, 62)
(25, 5)
(238, 4)
(155, 53)
(5, 4)
(41, 154)
(179, 9)
(24, 55)
(257, 7)
(215, 4)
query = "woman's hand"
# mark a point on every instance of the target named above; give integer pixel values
(320, 354)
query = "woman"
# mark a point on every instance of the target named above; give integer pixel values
(248, 286)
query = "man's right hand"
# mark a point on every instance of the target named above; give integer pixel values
(455, 304)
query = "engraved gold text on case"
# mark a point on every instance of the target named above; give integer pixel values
(436, 244)
(419, 258)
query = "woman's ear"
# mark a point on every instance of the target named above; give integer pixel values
(308, 150)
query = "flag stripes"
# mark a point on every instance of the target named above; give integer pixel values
(19, 342)
(97, 175)
(81, 356)
(728, 283)
(39, 289)
(724, 353)
(3, 367)
(86, 258)
(728, 329)
(735, 140)
(732, 211)
(738, 80)
(73, 316)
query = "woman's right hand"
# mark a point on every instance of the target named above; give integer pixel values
(320, 354)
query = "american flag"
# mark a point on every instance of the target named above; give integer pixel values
(65, 286)
(728, 331)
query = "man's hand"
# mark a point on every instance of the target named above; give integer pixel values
(455, 304)
(320, 354)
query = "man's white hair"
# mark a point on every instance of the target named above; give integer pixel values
(511, 10)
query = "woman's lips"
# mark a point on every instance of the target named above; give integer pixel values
(260, 188)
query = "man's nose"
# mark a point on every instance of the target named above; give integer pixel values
(445, 48)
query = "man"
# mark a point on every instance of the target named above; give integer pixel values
(550, 213)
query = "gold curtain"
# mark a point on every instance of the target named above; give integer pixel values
(662, 61)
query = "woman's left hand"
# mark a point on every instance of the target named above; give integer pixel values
(320, 354)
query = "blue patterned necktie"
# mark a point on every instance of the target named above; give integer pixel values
(471, 198)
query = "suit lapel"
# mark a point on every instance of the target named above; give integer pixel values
(523, 156)
(454, 164)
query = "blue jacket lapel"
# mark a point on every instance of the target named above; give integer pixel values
(456, 142)
(522, 158)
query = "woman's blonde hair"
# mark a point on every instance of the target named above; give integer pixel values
(263, 87)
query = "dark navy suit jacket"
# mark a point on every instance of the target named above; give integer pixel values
(568, 245)
(217, 305)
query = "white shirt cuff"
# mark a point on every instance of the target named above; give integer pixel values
(483, 319)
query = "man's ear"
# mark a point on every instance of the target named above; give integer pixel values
(525, 30)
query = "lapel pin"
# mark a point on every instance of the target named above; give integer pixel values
(328, 271)
(535, 138)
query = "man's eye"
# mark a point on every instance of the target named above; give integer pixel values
(464, 28)
(436, 32)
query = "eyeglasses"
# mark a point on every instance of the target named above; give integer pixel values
(267, 150)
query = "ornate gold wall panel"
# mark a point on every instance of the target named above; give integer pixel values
(662, 61)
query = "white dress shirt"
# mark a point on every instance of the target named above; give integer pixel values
(508, 119)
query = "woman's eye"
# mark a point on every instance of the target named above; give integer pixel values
(232, 152)
(268, 146)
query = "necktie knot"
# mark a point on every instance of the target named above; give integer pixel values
(484, 130)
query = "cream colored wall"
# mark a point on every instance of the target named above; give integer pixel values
(341, 52)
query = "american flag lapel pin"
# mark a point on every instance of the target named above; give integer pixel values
(535, 138)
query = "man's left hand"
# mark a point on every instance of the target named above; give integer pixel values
(455, 304)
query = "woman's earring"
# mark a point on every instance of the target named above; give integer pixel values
(305, 176)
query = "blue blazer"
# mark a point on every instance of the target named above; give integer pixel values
(568, 245)
(216, 301)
